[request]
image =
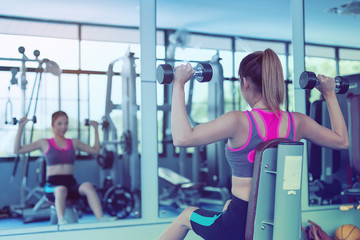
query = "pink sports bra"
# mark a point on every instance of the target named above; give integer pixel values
(55, 155)
(241, 159)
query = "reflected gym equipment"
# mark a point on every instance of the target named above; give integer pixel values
(104, 124)
(16, 121)
(106, 159)
(118, 201)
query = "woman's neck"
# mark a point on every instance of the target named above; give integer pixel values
(60, 138)
(259, 104)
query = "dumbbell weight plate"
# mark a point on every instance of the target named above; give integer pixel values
(308, 80)
(119, 201)
(106, 159)
(126, 142)
(206, 70)
(343, 85)
(87, 122)
(164, 73)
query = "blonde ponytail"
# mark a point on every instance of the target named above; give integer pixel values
(272, 80)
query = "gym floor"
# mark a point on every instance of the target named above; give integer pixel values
(164, 212)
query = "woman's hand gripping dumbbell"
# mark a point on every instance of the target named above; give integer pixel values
(95, 124)
(22, 121)
(308, 80)
(165, 73)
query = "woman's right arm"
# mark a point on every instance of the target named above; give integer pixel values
(18, 149)
(337, 137)
(225, 126)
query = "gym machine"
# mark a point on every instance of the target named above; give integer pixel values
(353, 190)
(276, 178)
(27, 193)
(328, 177)
(120, 175)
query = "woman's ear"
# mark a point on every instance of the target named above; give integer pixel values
(246, 83)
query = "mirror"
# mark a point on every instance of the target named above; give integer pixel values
(99, 81)
(334, 52)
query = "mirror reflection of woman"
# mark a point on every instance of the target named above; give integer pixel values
(60, 156)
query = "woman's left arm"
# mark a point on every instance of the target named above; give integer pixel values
(87, 148)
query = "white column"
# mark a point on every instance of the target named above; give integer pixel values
(298, 44)
(149, 145)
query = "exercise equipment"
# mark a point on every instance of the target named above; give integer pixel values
(16, 121)
(118, 201)
(165, 73)
(8, 109)
(104, 124)
(326, 190)
(348, 232)
(180, 191)
(125, 143)
(327, 168)
(276, 178)
(122, 169)
(24, 208)
(308, 80)
(71, 214)
(106, 159)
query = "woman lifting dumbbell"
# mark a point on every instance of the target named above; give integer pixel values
(262, 86)
(59, 153)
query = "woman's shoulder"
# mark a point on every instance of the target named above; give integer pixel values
(237, 114)
(238, 118)
(298, 115)
(44, 144)
(75, 142)
(43, 140)
(301, 119)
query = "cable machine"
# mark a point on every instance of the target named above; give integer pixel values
(26, 193)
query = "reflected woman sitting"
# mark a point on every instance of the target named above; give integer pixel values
(60, 156)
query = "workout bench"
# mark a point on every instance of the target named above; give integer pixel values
(183, 192)
(276, 184)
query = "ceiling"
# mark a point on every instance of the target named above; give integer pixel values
(261, 18)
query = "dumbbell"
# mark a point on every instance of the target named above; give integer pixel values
(16, 121)
(308, 80)
(165, 73)
(104, 124)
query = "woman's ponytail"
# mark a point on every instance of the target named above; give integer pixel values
(272, 80)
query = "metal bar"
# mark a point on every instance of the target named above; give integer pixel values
(18, 59)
